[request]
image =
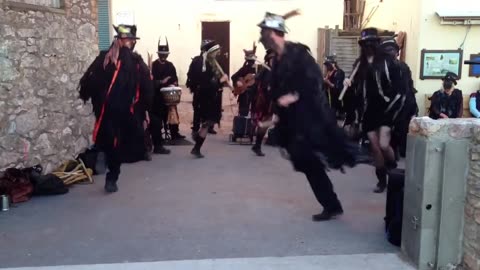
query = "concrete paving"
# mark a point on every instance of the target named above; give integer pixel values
(330, 262)
(231, 204)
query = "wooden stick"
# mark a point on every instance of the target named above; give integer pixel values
(345, 87)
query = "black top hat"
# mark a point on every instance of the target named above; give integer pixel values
(450, 76)
(369, 34)
(163, 49)
(126, 31)
(210, 46)
(330, 60)
(390, 42)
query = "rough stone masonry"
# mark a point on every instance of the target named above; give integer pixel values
(43, 53)
(462, 129)
(471, 240)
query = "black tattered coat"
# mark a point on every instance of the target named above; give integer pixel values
(120, 96)
(308, 124)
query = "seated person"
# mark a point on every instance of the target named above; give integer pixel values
(448, 101)
(475, 104)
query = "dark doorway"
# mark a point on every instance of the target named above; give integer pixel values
(220, 32)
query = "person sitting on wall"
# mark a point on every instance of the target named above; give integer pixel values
(448, 101)
(475, 104)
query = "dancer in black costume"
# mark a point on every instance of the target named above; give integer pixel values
(306, 128)
(120, 86)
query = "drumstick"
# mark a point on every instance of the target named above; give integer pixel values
(345, 87)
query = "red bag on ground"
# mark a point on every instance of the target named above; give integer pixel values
(16, 184)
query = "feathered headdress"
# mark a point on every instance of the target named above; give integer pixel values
(277, 22)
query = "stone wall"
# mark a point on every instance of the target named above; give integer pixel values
(472, 207)
(462, 129)
(43, 53)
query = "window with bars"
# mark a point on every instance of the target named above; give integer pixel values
(104, 26)
(43, 3)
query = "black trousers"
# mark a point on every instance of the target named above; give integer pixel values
(156, 124)
(113, 164)
(305, 160)
(197, 121)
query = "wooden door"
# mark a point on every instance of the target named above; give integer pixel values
(220, 32)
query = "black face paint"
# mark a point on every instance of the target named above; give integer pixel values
(447, 85)
(134, 42)
(266, 40)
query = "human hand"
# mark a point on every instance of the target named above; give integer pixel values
(347, 82)
(224, 78)
(166, 79)
(444, 116)
(287, 99)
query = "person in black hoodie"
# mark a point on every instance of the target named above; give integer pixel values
(448, 101)
(306, 126)
(119, 85)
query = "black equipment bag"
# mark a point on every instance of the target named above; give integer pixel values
(242, 127)
(394, 207)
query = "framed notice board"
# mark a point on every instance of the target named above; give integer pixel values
(474, 69)
(436, 63)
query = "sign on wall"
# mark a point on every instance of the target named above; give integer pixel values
(436, 63)
(125, 17)
(474, 69)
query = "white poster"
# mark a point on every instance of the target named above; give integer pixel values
(125, 17)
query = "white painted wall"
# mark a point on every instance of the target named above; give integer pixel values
(418, 18)
(181, 21)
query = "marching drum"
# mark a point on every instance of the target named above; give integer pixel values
(171, 96)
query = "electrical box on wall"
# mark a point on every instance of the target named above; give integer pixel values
(459, 17)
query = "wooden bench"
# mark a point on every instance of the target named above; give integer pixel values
(466, 105)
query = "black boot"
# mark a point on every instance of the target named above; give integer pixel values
(175, 132)
(212, 131)
(328, 214)
(382, 180)
(111, 186)
(198, 144)
(258, 150)
(159, 149)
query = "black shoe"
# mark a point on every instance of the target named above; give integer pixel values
(380, 189)
(196, 153)
(391, 165)
(161, 150)
(111, 187)
(327, 215)
(212, 131)
(258, 151)
(178, 136)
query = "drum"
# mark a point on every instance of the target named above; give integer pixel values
(171, 95)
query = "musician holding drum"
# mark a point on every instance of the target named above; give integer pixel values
(165, 77)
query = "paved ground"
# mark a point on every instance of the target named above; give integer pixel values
(229, 205)
(330, 262)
